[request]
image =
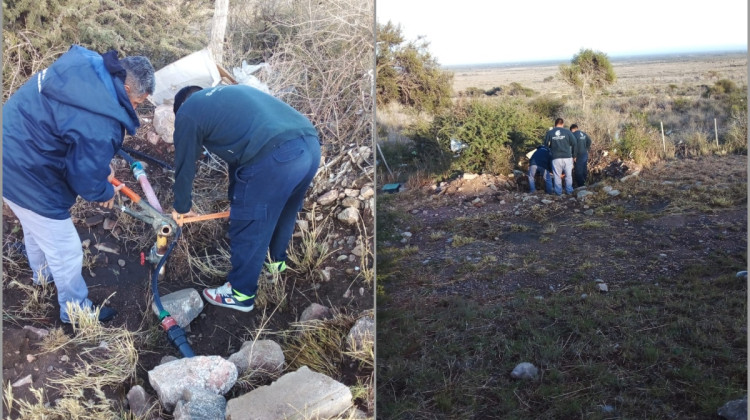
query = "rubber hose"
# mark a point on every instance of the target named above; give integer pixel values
(146, 156)
(140, 175)
(175, 333)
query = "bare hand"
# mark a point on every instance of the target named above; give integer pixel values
(179, 216)
(111, 202)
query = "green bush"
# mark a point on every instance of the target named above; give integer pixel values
(517, 89)
(34, 36)
(681, 104)
(550, 108)
(408, 74)
(495, 132)
(640, 142)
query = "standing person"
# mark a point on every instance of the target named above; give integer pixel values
(583, 144)
(273, 154)
(562, 146)
(61, 129)
(540, 162)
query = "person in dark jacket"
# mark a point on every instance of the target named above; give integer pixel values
(580, 169)
(273, 154)
(540, 162)
(61, 129)
(562, 146)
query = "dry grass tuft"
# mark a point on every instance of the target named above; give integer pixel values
(313, 249)
(319, 345)
(107, 358)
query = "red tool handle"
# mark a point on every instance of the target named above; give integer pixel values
(125, 190)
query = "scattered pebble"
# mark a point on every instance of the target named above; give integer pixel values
(26, 380)
(524, 370)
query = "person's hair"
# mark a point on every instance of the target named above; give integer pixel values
(140, 74)
(182, 96)
(559, 121)
(573, 127)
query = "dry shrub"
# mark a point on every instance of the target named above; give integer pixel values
(323, 346)
(640, 143)
(324, 69)
(696, 143)
(736, 139)
(107, 358)
(313, 249)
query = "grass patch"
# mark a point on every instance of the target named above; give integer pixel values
(459, 241)
(672, 350)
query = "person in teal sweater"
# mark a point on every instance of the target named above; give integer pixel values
(580, 164)
(273, 154)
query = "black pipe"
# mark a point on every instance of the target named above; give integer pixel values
(126, 156)
(175, 333)
(146, 156)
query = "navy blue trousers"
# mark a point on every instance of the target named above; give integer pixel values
(265, 197)
(580, 170)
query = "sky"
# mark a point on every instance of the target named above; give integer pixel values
(481, 31)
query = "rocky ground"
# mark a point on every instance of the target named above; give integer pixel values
(483, 237)
(114, 247)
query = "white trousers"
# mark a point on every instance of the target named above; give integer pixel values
(54, 249)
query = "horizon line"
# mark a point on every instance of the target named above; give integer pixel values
(614, 57)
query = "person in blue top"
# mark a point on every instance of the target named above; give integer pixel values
(540, 162)
(580, 163)
(61, 129)
(562, 146)
(273, 154)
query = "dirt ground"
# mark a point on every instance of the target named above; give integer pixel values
(483, 242)
(124, 281)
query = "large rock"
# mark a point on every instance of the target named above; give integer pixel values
(199, 404)
(164, 122)
(367, 192)
(362, 333)
(210, 373)
(349, 215)
(734, 410)
(139, 401)
(263, 357)
(302, 394)
(328, 198)
(184, 306)
(313, 312)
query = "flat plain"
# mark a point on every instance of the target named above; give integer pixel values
(634, 74)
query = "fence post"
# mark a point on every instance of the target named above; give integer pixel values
(716, 133)
(663, 142)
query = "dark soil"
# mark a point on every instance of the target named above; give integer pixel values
(519, 242)
(127, 288)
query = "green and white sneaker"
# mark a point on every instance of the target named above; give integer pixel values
(229, 298)
(275, 267)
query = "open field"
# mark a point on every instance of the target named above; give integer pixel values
(634, 74)
(629, 300)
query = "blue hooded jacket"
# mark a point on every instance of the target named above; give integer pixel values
(61, 129)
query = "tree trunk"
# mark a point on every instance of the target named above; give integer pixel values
(218, 29)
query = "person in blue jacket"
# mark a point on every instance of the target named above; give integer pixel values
(273, 154)
(540, 162)
(61, 129)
